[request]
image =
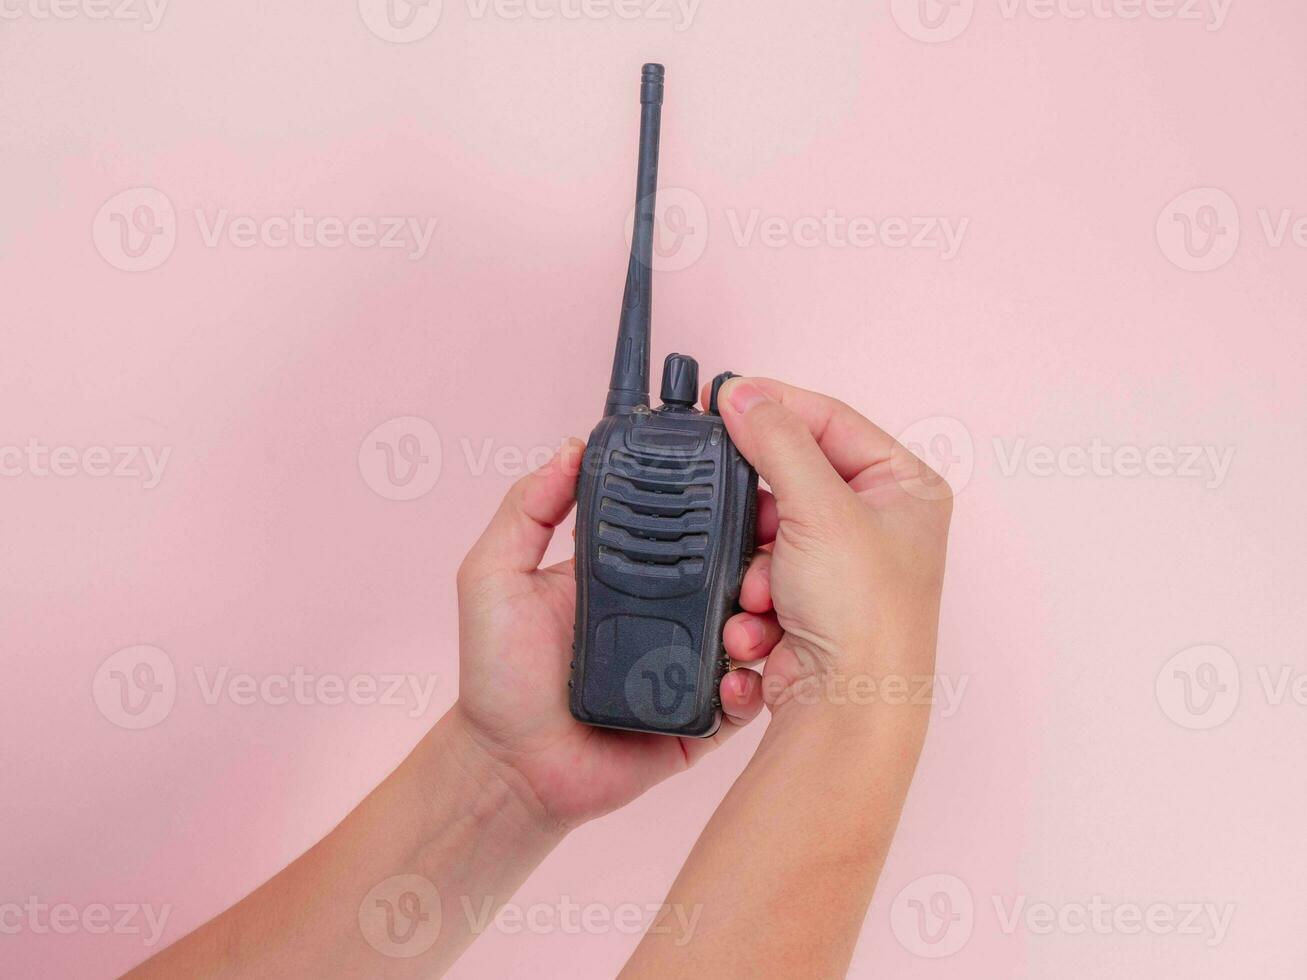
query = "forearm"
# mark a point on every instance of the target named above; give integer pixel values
(782, 875)
(446, 815)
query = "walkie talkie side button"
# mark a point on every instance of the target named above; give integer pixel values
(717, 383)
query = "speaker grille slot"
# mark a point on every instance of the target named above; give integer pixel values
(655, 514)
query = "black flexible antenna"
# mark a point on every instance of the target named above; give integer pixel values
(629, 388)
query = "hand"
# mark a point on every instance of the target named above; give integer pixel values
(841, 597)
(843, 594)
(515, 643)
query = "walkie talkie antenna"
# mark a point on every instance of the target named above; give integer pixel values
(629, 388)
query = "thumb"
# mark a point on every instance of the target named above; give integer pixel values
(779, 445)
(522, 528)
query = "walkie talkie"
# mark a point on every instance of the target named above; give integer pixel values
(665, 518)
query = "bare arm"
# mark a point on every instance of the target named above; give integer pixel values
(406, 881)
(381, 896)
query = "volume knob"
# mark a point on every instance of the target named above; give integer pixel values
(680, 381)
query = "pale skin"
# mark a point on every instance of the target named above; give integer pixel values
(842, 596)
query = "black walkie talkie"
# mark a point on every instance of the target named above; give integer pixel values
(665, 518)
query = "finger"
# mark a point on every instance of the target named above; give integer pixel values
(749, 637)
(705, 396)
(522, 528)
(755, 590)
(851, 442)
(741, 694)
(780, 446)
(768, 519)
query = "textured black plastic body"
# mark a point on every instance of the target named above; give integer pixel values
(665, 528)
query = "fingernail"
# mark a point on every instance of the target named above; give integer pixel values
(743, 395)
(569, 455)
(752, 629)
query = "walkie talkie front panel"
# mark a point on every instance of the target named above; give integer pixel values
(665, 520)
(665, 527)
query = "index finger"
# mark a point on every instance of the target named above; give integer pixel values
(851, 442)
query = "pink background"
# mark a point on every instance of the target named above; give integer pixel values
(1064, 318)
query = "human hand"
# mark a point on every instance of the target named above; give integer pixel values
(515, 642)
(843, 589)
(843, 593)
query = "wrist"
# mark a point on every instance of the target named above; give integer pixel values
(898, 729)
(882, 685)
(493, 795)
(863, 759)
(853, 715)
